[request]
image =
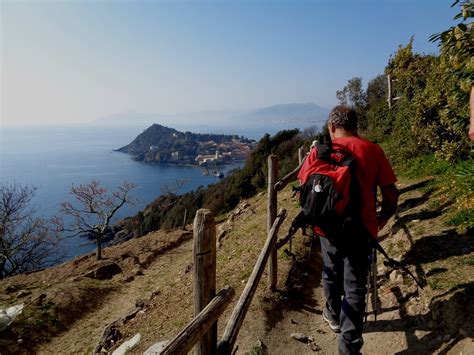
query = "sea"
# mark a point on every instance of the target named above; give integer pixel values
(53, 158)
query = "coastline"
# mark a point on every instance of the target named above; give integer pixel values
(77, 156)
(154, 163)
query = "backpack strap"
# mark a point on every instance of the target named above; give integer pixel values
(326, 151)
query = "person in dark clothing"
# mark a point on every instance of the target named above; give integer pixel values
(346, 256)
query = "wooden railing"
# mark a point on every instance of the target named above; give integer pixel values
(195, 331)
(238, 315)
(201, 332)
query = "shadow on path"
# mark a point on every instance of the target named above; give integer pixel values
(439, 247)
(446, 317)
(302, 281)
(410, 203)
(415, 186)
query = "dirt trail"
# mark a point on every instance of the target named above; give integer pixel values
(299, 310)
(410, 320)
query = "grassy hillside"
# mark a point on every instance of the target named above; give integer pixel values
(152, 292)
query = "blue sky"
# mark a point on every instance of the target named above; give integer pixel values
(75, 61)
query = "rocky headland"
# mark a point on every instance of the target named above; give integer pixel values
(163, 145)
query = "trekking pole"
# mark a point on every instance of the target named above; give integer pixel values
(369, 286)
(394, 264)
(310, 250)
(374, 283)
(367, 297)
(291, 245)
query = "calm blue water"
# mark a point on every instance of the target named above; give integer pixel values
(54, 158)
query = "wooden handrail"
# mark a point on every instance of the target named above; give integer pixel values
(240, 310)
(200, 325)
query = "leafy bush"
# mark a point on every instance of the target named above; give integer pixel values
(431, 114)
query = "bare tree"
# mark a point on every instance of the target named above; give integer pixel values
(26, 242)
(170, 192)
(309, 132)
(173, 188)
(94, 209)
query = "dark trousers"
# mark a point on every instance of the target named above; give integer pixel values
(345, 270)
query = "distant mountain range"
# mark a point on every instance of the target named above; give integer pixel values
(287, 112)
(266, 119)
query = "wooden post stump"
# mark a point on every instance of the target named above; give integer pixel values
(184, 218)
(204, 251)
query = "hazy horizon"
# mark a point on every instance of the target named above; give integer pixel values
(75, 62)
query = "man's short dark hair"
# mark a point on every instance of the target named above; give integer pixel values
(343, 117)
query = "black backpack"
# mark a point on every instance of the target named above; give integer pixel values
(330, 196)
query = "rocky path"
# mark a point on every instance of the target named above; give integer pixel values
(410, 320)
(298, 312)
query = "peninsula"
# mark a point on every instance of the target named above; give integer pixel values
(163, 145)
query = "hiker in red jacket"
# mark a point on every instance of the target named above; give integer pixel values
(346, 255)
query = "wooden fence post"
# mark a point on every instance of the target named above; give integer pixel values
(184, 218)
(204, 251)
(301, 154)
(271, 215)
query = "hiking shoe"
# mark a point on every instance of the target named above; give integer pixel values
(333, 325)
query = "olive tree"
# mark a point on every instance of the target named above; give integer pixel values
(93, 208)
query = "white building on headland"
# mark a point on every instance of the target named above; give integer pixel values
(206, 159)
